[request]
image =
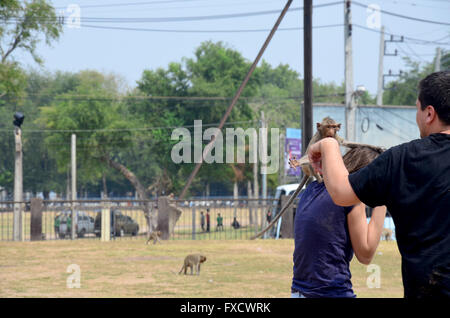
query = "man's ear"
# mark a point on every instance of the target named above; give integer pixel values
(431, 114)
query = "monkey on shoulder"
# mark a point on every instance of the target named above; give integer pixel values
(327, 128)
(192, 260)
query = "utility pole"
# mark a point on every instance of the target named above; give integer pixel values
(307, 129)
(380, 69)
(18, 187)
(350, 105)
(255, 181)
(391, 40)
(255, 170)
(264, 151)
(74, 183)
(437, 63)
(282, 171)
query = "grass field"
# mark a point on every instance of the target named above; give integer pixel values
(129, 268)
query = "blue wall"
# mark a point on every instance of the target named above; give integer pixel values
(396, 125)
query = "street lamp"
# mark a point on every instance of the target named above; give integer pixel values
(18, 179)
(360, 90)
(18, 119)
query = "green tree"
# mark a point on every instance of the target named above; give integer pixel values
(445, 60)
(404, 90)
(96, 120)
(22, 26)
(215, 71)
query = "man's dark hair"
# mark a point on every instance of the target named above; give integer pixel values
(359, 157)
(434, 90)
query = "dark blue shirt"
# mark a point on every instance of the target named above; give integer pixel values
(323, 249)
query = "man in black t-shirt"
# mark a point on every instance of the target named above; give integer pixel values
(413, 181)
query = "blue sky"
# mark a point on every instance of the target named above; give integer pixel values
(128, 53)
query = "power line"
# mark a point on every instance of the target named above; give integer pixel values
(403, 16)
(129, 4)
(417, 41)
(414, 52)
(183, 19)
(144, 5)
(384, 128)
(204, 31)
(124, 129)
(397, 115)
(389, 123)
(413, 4)
(85, 97)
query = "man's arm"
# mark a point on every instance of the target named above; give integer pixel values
(325, 157)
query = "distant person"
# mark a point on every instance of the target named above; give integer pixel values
(413, 181)
(219, 222)
(207, 221)
(235, 224)
(69, 224)
(56, 224)
(269, 216)
(202, 221)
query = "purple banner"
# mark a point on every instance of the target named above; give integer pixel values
(293, 148)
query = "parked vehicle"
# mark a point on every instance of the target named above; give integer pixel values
(121, 224)
(282, 190)
(85, 224)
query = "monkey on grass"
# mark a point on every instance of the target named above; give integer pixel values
(155, 236)
(327, 128)
(193, 260)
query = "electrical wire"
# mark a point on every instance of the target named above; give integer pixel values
(129, 4)
(85, 97)
(204, 31)
(397, 115)
(411, 39)
(123, 129)
(402, 16)
(388, 123)
(181, 19)
(414, 4)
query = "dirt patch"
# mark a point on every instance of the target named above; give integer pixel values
(150, 258)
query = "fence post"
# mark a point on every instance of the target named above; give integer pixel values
(36, 219)
(256, 215)
(106, 223)
(193, 222)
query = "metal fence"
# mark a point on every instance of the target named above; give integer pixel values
(228, 219)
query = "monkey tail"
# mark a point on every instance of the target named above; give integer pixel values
(284, 209)
(182, 267)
